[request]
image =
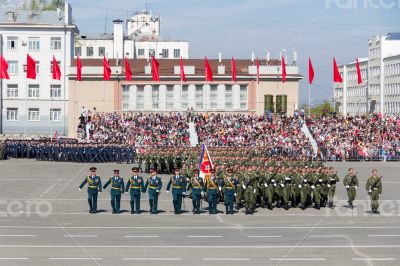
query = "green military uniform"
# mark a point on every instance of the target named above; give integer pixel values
(178, 184)
(317, 189)
(212, 188)
(136, 185)
(374, 188)
(333, 178)
(155, 184)
(305, 190)
(230, 185)
(351, 184)
(270, 189)
(94, 188)
(295, 190)
(278, 186)
(117, 188)
(286, 189)
(249, 184)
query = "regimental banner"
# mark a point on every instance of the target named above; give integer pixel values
(205, 164)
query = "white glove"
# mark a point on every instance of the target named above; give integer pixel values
(332, 179)
(234, 194)
(255, 191)
(167, 191)
(320, 180)
(80, 189)
(243, 186)
(157, 191)
(356, 187)
(273, 180)
(305, 180)
(347, 186)
(202, 193)
(312, 187)
(282, 185)
(287, 178)
(219, 188)
(329, 185)
(370, 191)
(265, 185)
(99, 192)
(274, 184)
(300, 186)
(183, 193)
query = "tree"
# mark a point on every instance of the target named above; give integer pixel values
(323, 108)
(54, 4)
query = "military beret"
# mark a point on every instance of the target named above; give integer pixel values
(93, 169)
(135, 169)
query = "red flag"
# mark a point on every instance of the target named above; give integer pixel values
(359, 78)
(283, 70)
(128, 71)
(78, 69)
(30, 67)
(56, 69)
(336, 74)
(55, 135)
(183, 77)
(258, 70)
(209, 74)
(106, 69)
(233, 70)
(310, 71)
(3, 68)
(154, 69)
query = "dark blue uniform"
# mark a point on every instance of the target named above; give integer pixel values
(230, 185)
(196, 184)
(94, 187)
(117, 188)
(178, 184)
(136, 184)
(155, 184)
(212, 189)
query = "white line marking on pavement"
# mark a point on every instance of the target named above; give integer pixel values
(154, 259)
(14, 258)
(30, 179)
(204, 236)
(200, 247)
(264, 236)
(80, 236)
(226, 259)
(298, 259)
(327, 236)
(142, 236)
(383, 235)
(376, 259)
(197, 227)
(17, 235)
(75, 258)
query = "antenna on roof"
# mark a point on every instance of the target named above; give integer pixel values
(105, 24)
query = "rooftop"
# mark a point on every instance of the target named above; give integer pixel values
(23, 17)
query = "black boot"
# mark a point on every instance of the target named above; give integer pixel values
(351, 205)
(287, 206)
(317, 206)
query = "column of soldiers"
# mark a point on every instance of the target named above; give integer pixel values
(272, 187)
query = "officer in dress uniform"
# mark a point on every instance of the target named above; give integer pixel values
(196, 185)
(94, 188)
(230, 185)
(178, 184)
(117, 188)
(136, 184)
(155, 184)
(212, 190)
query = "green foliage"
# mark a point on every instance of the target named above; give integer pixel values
(1, 151)
(40, 5)
(324, 108)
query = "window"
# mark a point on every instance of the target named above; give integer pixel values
(12, 114)
(34, 44)
(125, 97)
(33, 114)
(140, 98)
(228, 97)
(12, 91)
(152, 52)
(185, 93)
(12, 43)
(37, 67)
(170, 97)
(51, 65)
(243, 97)
(55, 114)
(140, 52)
(155, 97)
(55, 91)
(12, 67)
(165, 53)
(199, 97)
(102, 51)
(89, 51)
(55, 43)
(214, 97)
(177, 53)
(33, 91)
(78, 51)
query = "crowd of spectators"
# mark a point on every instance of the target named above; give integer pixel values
(356, 138)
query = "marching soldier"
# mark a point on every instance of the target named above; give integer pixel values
(249, 186)
(295, 190)
(178, 183)
(212, 190)
(351, 183)
(155, 184)
(136, 184)
(269, 185)
(286, 189)
(230, 185)
(305, 189)
(196, 185)
(333, 178)
(94, 188)
(374, 188)
(117, 188)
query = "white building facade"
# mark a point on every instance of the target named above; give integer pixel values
(378, 86)
(36, 106)
(140, 40)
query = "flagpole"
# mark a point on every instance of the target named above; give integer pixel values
(309, 99)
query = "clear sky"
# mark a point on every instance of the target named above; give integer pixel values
(319, 29)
